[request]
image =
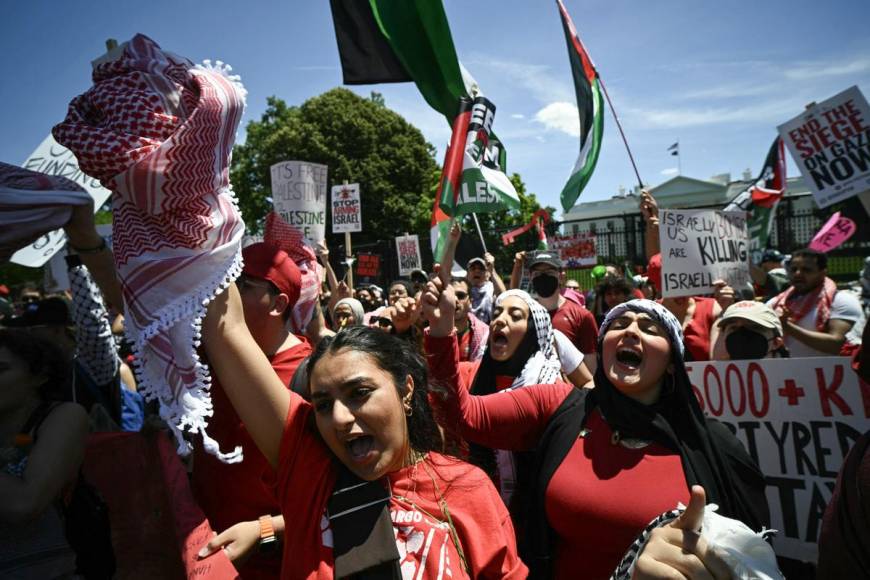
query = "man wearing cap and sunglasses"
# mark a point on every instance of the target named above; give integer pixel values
(238, 498)
(485, 285)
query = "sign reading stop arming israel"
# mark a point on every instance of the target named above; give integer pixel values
(299, 197)
(52, 158)
(797, 418)
(346, 209)
(701, 246)
(830, 143)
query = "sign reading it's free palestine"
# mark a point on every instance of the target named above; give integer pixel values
(299, 197)
(700, 247)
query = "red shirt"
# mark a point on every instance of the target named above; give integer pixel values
(578, 324)
(240, 492)
(697, 332)
(306, 477)
(603, 495)
(600, 497)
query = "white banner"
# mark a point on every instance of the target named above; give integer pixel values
(830, 143)
(346, 208)
(299, 196)
(52, 158)
(701, 246)
(408, 250)
(797, 418)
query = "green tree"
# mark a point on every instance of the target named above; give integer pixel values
(359, 139)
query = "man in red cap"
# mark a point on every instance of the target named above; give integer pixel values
(238, 498)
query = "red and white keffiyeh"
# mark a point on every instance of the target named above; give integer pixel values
(33, 204)
(158, 131)
(283, 236)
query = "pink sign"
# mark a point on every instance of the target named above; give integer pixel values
(837, 230)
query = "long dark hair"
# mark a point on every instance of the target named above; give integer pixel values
(41, 357)
(400, 359)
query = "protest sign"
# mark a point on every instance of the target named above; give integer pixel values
(836, 230)
(577, 250)
(830, 143)
(52, 158)
(55, 278)
(701, 246)
(299, 197)
(346, 209)
(408, 250)
(368, 265)
(798, 418)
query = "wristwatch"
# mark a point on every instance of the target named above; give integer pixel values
(268, 539)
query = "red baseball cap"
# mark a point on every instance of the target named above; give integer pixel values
(275, 265)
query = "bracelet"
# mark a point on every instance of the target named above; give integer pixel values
(95, 250)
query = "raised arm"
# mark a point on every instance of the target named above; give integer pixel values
(322, 252)
(94, 341)
(255, 391)
(517, 272)
(497, 282)
(649, 209)
(505, 420)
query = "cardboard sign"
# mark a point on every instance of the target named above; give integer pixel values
(299, 197)
(368, 265)
(346, 209)
(577, 250)
(701, 246)
(408, 250)
(830, 143)
(836, 230)
(52, 158)
(797, 418)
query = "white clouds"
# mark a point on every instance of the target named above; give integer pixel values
(812, 70)
(537, 79)
(518, 116)
(560, 116)
(670, 171)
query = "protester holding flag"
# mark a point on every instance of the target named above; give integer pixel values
(596, 448)
(359, 464)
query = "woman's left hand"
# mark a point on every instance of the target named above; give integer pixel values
(439, 307)
(678, 550)
(237, 541)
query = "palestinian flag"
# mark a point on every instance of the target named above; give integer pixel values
(761, 198)
(483, 186)
(449, 183)
(590, 105)
(542, 236)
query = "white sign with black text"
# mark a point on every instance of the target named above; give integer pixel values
(346, 209)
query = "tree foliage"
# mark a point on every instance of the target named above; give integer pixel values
(362, 141)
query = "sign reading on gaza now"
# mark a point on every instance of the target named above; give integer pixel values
(797, 418)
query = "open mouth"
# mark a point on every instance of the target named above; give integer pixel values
(499, 339)
(628, 358)
(360, 448)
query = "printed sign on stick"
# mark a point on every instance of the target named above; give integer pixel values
(299, 197)
(346, 209)
(701, 246)
(797, 418)
(408, 249)
(52, 158)
(576, 250)
(830, 143)
(368, 265)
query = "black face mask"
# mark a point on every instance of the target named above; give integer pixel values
(545, 285)
(745, 344)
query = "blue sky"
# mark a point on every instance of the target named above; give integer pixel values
(717, 76)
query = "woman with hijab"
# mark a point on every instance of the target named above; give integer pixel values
(610, 459)
(347, 312)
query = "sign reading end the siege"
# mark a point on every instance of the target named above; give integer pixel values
(700, 247)
(830, 143)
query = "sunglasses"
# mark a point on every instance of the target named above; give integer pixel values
(383, 322)
(460, 295)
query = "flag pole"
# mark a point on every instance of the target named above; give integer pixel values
(621, 132)
(479, 232)
(679, 159)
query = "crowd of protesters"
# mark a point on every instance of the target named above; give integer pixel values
(447, 425)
